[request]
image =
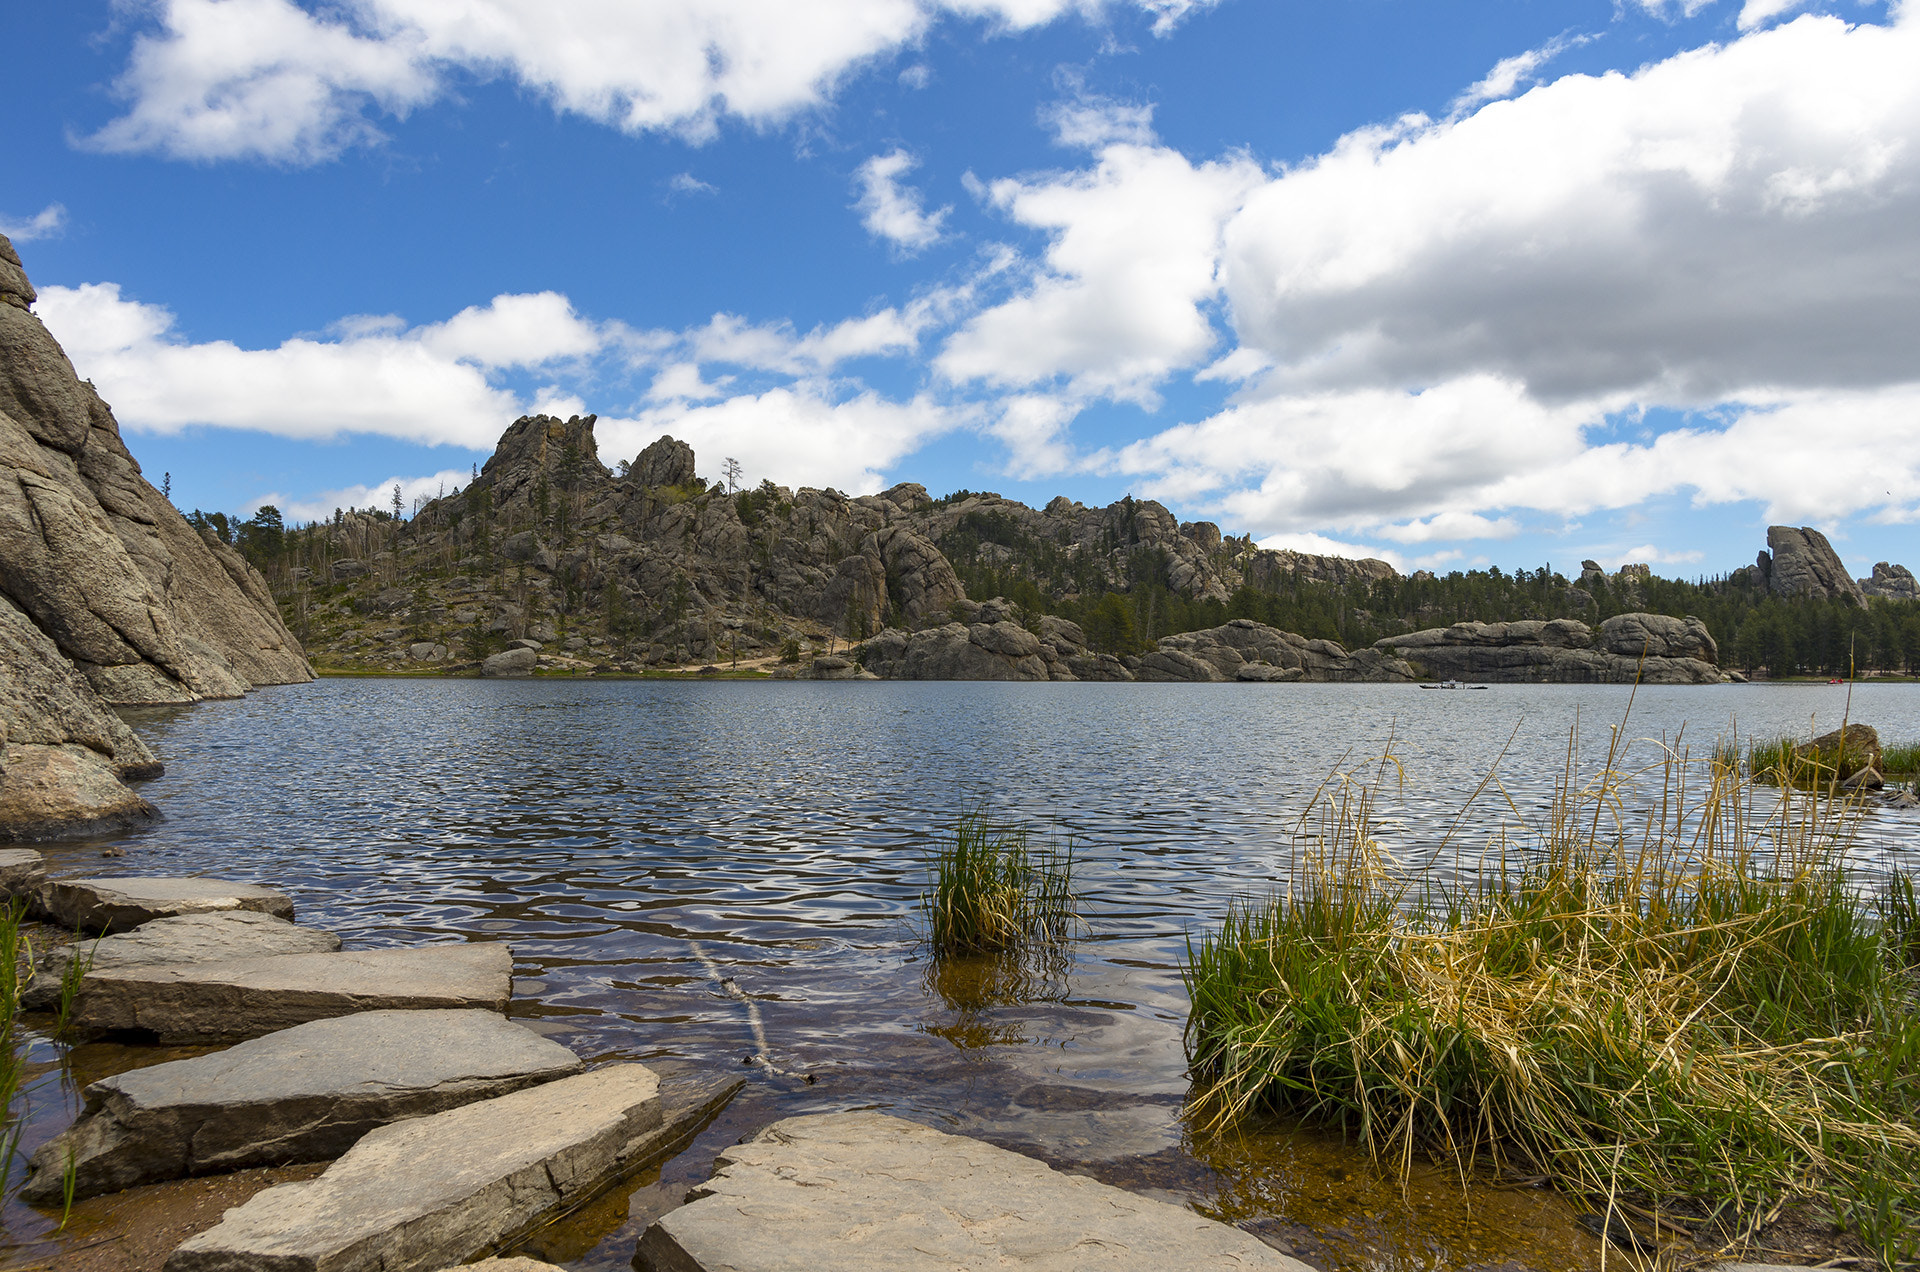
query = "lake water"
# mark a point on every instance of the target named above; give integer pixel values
(637, 841)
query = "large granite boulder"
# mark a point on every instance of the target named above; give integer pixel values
(300, 1095)
(133, 602)
(864, 1190)
(1802, 563)
(1677, 651)
(1001, 650)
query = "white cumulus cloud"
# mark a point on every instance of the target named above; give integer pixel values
(276, 80)
(892, 211)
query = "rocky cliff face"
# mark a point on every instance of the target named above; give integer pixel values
(107, 595)
(1652, 647)
(1801, 563)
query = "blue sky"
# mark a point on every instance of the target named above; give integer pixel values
(1505, 282)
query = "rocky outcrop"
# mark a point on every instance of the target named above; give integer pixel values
(184, 938)
(652, 565)
(107, 595)
(1246, 650)
(994, 644)
(1655, 648)
(1801, 563)
(1896, 582)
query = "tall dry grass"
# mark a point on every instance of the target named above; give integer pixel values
(1668, 986)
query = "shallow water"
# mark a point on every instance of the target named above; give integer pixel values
(636, 841)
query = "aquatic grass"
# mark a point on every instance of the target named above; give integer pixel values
(16, 962)
(1900, 761)
(994, 890)
(1667, 987)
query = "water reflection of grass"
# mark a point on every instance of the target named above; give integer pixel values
(1679, 999)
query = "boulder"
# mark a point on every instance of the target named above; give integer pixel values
(300, 1095)
(349, 568)
(434, 1191)
(244, 998)
(1658, 636)
(22, 870)
(864, 1190)
(519, 661)
(999, 650)
(119, 904)
(185, 938)
(1844, 751)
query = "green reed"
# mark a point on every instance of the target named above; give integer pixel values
(1678, 998)
(994, 890)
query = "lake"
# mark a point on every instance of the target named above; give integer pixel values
(637, 841)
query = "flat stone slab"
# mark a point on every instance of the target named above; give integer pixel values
(435, 1191)
(863, 1190)
(244, 998)
(94, 906)
(21, 871)
(301, 1095)
(185, 938)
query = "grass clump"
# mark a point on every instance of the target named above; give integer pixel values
(995, 891)
(1666, 991)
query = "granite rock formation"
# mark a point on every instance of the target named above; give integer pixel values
(993, 644)
(1654, 648)
(107, 596)
(1801, 563)
(1896, 582)
(661, 567)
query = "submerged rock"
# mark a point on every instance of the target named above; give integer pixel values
(434, 1191)
(184, 938)
(302, 1094)
(244, 998)
(863, 1190)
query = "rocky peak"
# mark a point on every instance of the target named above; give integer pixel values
(15, 290)
(667, 462)
(1893, 581)
(1802, 563)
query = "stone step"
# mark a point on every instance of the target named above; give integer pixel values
(435, 1191)
(301, 1095)
(244, 998)
(185, 938)
(120, 904)
(853, 1191)
(22, 870)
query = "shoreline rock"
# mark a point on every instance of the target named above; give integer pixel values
(1653, 648)
(107, 597)
(303, 1094)
(845, 1190)
(120, 903)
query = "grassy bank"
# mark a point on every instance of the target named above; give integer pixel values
(1687, 1004)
